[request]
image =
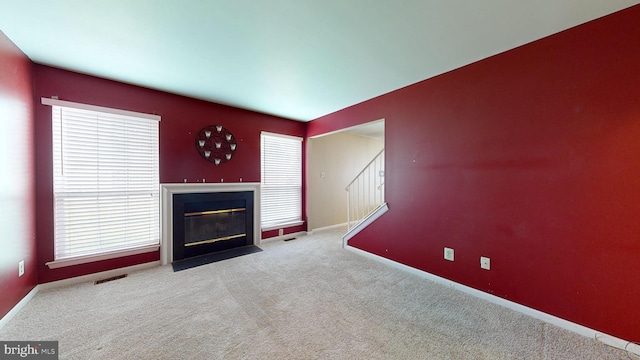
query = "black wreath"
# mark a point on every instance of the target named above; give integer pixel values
(216, 144)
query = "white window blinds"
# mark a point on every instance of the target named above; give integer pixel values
(281, 179)
(106, 181)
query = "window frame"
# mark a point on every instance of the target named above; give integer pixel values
(136, 248)
(290, 221)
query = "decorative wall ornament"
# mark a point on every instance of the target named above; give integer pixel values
(216, 144)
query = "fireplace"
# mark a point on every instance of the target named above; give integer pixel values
(204, 223)
(212, 226)
(199, 219)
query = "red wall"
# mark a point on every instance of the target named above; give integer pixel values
(530, 157)
(17, 224)
(182, 118)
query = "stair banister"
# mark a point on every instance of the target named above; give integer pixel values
(365, 193)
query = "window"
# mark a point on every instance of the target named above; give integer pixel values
(105, 182)
(281, 180)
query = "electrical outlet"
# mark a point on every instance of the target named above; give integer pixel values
(485, 263)
(448, 254)
(21, 268)
(280, 232)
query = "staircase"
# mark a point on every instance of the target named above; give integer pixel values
(365, 196)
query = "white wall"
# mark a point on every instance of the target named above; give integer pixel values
(340, 157)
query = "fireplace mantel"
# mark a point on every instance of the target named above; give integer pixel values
(167, 191)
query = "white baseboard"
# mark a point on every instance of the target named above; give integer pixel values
(284, 237)
(16, 309)
(327, 228)
(554, 320)
(98, 276)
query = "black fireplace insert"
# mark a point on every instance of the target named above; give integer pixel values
(205, 223)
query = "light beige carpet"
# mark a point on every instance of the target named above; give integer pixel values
(303, 299)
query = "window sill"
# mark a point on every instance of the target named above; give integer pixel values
(104, 256)
(282, 226)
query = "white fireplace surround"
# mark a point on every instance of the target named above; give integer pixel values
(166, 209)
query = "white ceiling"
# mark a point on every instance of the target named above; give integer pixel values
(299, 59)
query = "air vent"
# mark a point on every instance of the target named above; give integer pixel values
(98, 282)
